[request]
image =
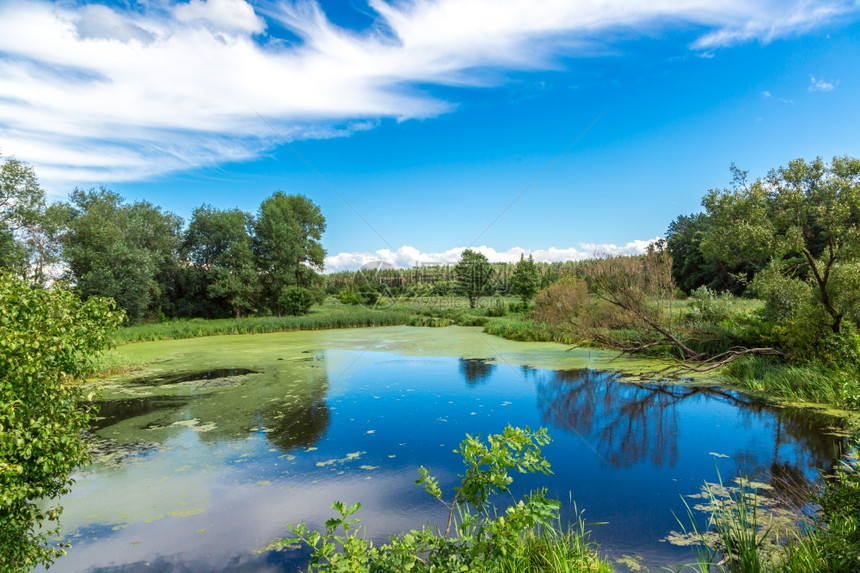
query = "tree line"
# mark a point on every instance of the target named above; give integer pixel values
(226, 262)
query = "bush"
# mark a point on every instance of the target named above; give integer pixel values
(295, 300)
(710, 307)
(48, 340)
(498, 308)
(563, 301)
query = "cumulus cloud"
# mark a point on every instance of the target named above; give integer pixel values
(408, 257)
(97, 93)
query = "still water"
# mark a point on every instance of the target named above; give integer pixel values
(203, 458)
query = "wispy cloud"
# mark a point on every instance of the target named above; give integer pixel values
(95, 93)
(819, 85)
(407, 256)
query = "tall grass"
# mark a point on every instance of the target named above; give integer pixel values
(833, 542)
(557, 549)
(327, 317)
(808, 382)
(521, 329)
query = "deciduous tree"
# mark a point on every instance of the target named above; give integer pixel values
(288, 232)
(28, 226)
(805, 217)
(220, 245)
(47, 339)
(126, 252)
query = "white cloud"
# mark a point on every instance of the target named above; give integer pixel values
(222, 15)
(407, 256)
(766, 94)
(820, 85)
(100, 94)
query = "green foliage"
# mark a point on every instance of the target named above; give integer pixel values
(709, 307)
(330, 316)
(804, 217)
(811, 381)
(522, 330)
(48, 340)
(287, 235)
(526, 536)
(473, 273)
(28, 227)
(125, 252)
(839, 542)
(498, 308)
(219, 245)
(295, 300)
(525, 281)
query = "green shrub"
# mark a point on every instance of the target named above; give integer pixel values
(295, 300)
(710, 307)
(497, 308)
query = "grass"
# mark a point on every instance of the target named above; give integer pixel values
(330, 315)
(556, 549)
(751, 533)
(806, 382)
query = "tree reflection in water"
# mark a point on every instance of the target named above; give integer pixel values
(629, 422)
(476, 370)
(287, 403)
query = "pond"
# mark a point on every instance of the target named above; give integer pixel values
(204, 457)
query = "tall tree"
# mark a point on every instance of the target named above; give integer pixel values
(806, 218)
(126, 252)
(28, 248)
(473, 272)
(287, 236)
(219, 244)
(525, 281)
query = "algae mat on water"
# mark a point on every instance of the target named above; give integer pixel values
(255, 350)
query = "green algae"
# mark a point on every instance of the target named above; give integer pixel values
(252, 351)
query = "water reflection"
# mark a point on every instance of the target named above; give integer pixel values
(286, 402)
(629, 423)
(476, 370)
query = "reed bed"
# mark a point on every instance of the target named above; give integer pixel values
(320, 318)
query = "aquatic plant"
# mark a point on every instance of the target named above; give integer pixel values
(526, 536)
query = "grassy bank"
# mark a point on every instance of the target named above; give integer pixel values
(320, 318)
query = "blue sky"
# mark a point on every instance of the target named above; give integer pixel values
(555, 128)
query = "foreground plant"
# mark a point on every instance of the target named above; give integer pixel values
(48, 338)
(526, 536)
(833, 541)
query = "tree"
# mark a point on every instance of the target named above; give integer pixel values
(691, 269)
(47, 340)
(28, 226)
(126, 252)
(525, 281)
(287, 238)
(473, 273)
(219, 244)
(804, 217)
